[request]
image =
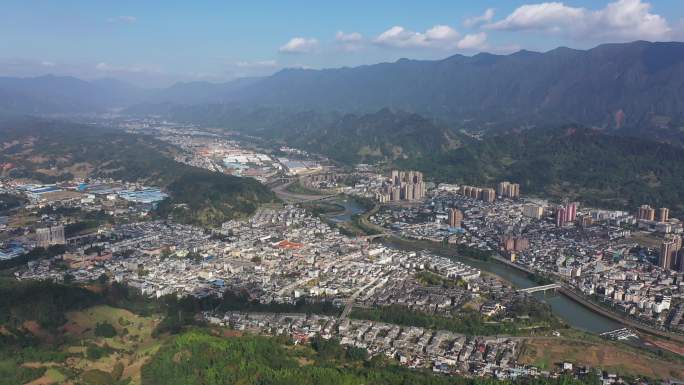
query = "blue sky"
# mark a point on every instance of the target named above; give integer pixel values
(155, 42)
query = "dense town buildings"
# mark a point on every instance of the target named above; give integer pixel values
(402, 186)
(285, 255)
(438, 350)
(503, 190)
(596, 255)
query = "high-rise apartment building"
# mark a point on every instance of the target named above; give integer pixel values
(521, 244)
(511, 243)
(560, 216)
(571, 211)
(49, 236)
(531, 210)
(394, 177)
(514, 191)
(507, 243)
(646, 212)
(508, 190)
(663, 214)
(472, 192)
(488, 194)
(455, 217)
(402, 185)
(501, 188)
(669, 249)
(585, 221)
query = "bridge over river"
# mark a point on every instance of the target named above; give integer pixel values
(534, 289)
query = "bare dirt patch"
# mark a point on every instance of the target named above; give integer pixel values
(665, 344)
(547, 353)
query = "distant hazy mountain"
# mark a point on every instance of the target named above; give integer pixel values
(65, 94)
(200, 92)
(632, 86)
(643, 80)
(635, 86)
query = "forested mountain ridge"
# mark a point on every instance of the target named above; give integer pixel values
(50, 94)
(635, 87)
(632, 87)
(570, 162)
(575, 162)
(383, 135)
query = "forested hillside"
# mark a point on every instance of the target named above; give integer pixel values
(199, 358)
(575, 163)
(632, 87)
(52, 151)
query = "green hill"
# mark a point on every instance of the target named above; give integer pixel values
(384, 135)
(51, 151)
(577, 163)
(198, 358)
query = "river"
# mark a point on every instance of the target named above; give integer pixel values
(570, 311)
(351, 208)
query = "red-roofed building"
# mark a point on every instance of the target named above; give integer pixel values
(285, 244)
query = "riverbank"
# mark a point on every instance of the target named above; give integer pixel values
(572, 312)
(573, 308)
(617, 317)
(589, 304)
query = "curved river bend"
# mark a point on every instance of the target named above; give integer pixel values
(570, 311)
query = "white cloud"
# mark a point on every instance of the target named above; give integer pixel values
(486, 17)
(621, 19)
(47, 63)
(353, 37)
(105, 67)
(399, 37)
(353, 41)
(299, 45)
(123, 19)
(439, 36)
(473, 41)
(441, 33)
(633, 18)
(257, 64)
(540, 16)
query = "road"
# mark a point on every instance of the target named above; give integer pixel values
(350, 302)
(282, 193)
(582, 300)
(570, 293)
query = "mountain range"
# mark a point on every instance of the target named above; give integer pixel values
(633, 87)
